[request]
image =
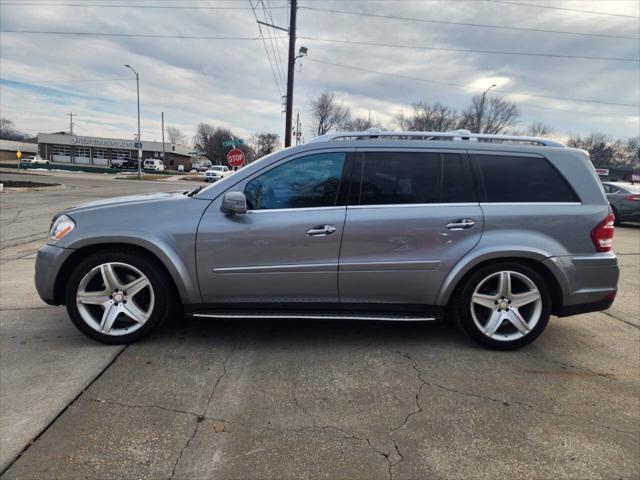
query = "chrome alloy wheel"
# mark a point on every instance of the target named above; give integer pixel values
(506, 306)
(115, 298)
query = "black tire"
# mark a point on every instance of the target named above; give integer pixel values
(462, 305)
(165, 303)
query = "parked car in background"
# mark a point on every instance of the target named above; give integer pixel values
(216, 173)
(124, 163)
(495, 233)
(202, 165)
(36, 159)
(624, 199)
(153, 164)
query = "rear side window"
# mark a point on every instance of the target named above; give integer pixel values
(392, 178)
(522, 179)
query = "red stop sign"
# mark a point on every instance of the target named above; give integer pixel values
(235, 158)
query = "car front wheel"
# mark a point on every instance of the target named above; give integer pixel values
(504, 306)
(118, 297)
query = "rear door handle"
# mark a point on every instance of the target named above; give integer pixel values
(321, 230)
(461, 224)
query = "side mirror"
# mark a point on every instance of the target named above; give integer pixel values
(234, 203)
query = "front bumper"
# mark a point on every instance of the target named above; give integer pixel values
(49, 261)
(588, 282)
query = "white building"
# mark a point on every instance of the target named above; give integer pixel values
(66, 148)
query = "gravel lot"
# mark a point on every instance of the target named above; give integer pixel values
(287, 399)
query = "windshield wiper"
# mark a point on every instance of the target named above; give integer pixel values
(191, 193)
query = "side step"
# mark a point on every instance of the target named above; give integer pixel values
(384, 317)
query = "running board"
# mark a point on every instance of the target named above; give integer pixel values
(385, 317)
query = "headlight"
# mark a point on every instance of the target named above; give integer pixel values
(61, 227)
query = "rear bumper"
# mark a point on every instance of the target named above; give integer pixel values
(48, 263)
(588, 282)
(568, 310)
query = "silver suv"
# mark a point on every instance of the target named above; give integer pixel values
(494, 232)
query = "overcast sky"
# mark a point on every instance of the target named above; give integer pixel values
(231, 83)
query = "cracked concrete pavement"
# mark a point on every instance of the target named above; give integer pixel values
(286, 399)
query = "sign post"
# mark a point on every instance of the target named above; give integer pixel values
(235, 158)
(19, 155)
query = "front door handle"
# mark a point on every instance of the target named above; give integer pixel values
(321, 230)
(461, 224)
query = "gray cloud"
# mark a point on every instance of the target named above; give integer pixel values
(230, 82)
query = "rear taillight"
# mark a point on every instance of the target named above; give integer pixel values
(633, 198)
(602, 235)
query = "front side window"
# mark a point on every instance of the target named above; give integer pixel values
(305, 182)
(398, 178)
(522, 179)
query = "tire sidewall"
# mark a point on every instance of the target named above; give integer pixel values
(157, 278)
(464, 306)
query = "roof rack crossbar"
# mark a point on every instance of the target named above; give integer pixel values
(456, 135)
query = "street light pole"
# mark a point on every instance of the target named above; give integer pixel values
(481, 112)
(139, 142)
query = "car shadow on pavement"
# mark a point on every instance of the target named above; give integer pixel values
(301, 332)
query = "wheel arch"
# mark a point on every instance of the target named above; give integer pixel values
(179, 279)
(534, 260)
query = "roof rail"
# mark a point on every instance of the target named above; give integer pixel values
(455, 135)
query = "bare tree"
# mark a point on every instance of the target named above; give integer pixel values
(264, 143)
(539, 129)
(174, 135)
(358, 124)
(8, 131)
(599, 145)
(327, 113)
(606, 152)
(632, 152)
(209, 142)
(429, 117)
(494, 115)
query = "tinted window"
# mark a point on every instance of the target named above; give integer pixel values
(311, 181)
(522, 179)
(415, 177)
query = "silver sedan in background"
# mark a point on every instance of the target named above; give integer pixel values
(624, 199)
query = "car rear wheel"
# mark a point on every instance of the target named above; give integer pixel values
(118, 297)
(504, 305)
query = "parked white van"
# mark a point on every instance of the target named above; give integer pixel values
(154, 164)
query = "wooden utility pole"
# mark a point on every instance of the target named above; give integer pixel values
(290, 73)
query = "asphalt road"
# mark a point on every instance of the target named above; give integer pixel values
(287, 399)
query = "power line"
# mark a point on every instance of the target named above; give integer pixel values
(460, 85)
(331, 40)
(273, 44)
(107, 5)
(466, 50)
(463, 24)
(266, 49)
(563, 8)
(280, 37)
(141, 35)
